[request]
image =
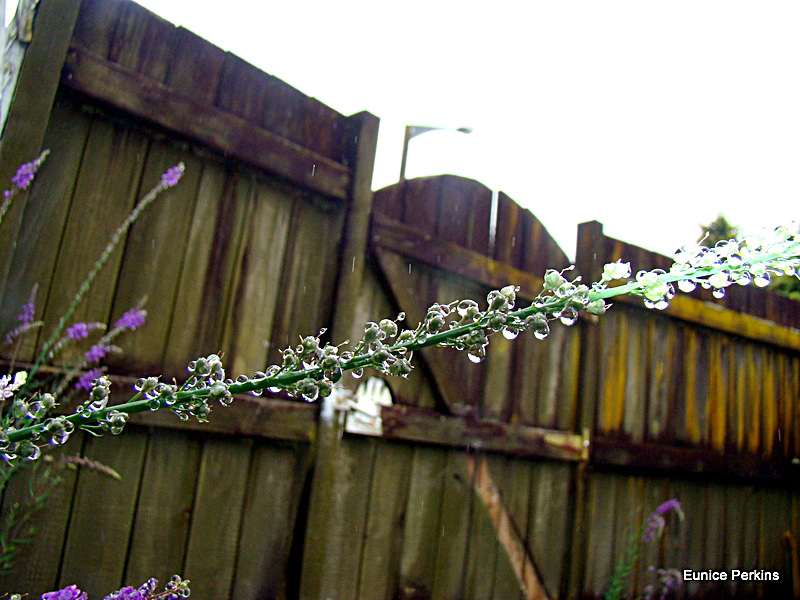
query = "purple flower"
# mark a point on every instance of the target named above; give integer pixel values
(669, 505)
(85, 381)
(26, 316)
(173, 175)
(78, 331)
(24, 175)
(96, 352)
(655, 521)
(70, 592)
(132, 319)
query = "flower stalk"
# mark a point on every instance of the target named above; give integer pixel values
(310, 370)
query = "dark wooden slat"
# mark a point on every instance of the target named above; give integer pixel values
(662, 458)
(29, 113)
(157, 239)
(36, 567)
(426, 426)
(195, 67)
(40, 232)
(102, 515)
(407, 241)
(421, 533)
(97, 23)
(142, 42)
(378, 574)
(216, 515)
(275, 482)
(155, 102)
(164, 508)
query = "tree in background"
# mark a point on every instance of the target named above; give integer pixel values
(717, 231)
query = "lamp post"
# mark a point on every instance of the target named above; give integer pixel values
(415, 130)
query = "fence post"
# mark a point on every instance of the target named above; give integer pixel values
(324, 527)
(30, 108)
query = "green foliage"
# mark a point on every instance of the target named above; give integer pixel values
(717, 231)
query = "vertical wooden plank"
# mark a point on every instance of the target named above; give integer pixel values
(195, 67)
(255, 298)
(454, 522)
(158, 239)
(518, 502)
(36, 567)
(754, 361)
(97, 23)
(717, 393)
(337, 516)
(207, 271)
(274, 486)
(216, 516)
(660, 338)
(142, 41)
(420, 201)
(164, 507)
(43, 221)
(308, 276)
(483, 552)
(549, 519)
(636, 371)
(509, 242)
(421, 536)
(600, 559)
(379, 570)
(30, 111)
(102, 515)
(242, 89)
(109, 177)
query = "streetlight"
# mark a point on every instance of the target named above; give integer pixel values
(415, 130)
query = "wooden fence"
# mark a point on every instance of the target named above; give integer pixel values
(520, 477)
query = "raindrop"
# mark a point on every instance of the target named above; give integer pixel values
(59, 438)
(313, 168)
(257, 392)
(477, 353)
(718, 293)
(762, 280)
(568, 316)
(743, 279)
(311, 395)
(274, 389)
(357, 373)
(401, 316)
(686, 285)
(510, 334)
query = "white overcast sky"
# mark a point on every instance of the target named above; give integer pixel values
(650, 117)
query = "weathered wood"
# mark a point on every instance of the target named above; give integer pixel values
(510, 537)
(275, 483)
(421, 532)
(458, 498)
(153, 101)
(216, 515)
(381, 548)
(199, 306)
(35, 565)
(337, 515)
(424, 425)
(356, 226)
(110, 174)
(307, 281)
(407, 241)
(263, 214)
(42, 223)
(610, 451)
(158, 238)
(164, 507)
(102, 515)
(29, 113)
